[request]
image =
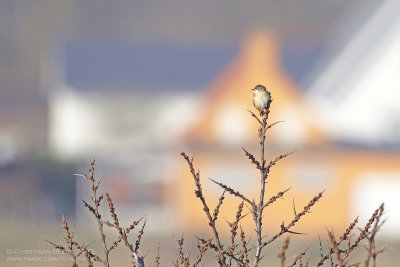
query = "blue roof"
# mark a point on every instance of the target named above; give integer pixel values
(299, 57)
(100, 64)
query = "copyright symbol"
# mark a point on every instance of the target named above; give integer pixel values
(9, 251)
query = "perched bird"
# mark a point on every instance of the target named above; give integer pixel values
(261, 98)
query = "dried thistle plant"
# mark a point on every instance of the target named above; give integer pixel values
(240, 250)
(256, 209)
(343, 247)
(75, 249)
(230, 254)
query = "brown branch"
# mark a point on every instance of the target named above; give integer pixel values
(202, 250)
(244, 255)
(199, 194)
(233, 192)
(69, 235)
(91, 209)
(203, 241)
(296, 219)
(273, 162)
(346, 233)
(179, 255)
(255, 116)
(216, 210)
(88, 254)
(274, 198)
(372, 251)
(157, 261)
(308, 260)
(56, 246)
(252, 158)
(234, 226)
(258, 210)
(363, 234)
(336, 250)
(137, 243)
(94, 208)
(273, 124)
(298, 257)
(282, 253)
(123, 234)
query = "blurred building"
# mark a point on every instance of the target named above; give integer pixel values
(356, 179)
(356, 89)
(123, 81)
(127, 105)
(356, 92)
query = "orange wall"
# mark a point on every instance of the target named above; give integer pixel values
(333, 210)
(319, 164)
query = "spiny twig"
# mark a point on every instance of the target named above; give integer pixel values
(216, 210)
(72, 244)
(233, 192)
(274, 198)
(298, 257)
(252, 158)
(199, 193)
(202, 250)
(363, 234)
(273, 162)
(234, 226)
(123, 233)
(244, 256)
(94, 208)
(255, 116)
(371, 249)
(285, 229)
(273, 124)
(157, 261)
(282, 253)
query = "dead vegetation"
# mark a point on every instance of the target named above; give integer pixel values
(243, 249)
(75, 249)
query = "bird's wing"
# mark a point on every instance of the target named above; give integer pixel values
(265, 98)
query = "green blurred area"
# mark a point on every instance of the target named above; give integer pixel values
(18, 237)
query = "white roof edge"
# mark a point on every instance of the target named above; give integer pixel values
(341, 66)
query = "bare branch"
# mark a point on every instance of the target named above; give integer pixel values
(216, 210)
(296, 219)
(273, 124)
(199, 194)
(282, 253)
(252, 158)
(233, 192)
(255, 116)
(274, 198)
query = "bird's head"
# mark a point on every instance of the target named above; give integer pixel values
(259, 88)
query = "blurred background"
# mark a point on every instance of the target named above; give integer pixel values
(134, 83)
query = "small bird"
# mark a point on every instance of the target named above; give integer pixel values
(261, 98)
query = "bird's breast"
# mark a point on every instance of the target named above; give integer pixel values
(260, 100)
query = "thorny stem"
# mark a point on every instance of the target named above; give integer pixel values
(199, 194)
(138, 261)
(264, 174)
(96, 203)
(364, 234)
(372, 251)
(103, 240)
